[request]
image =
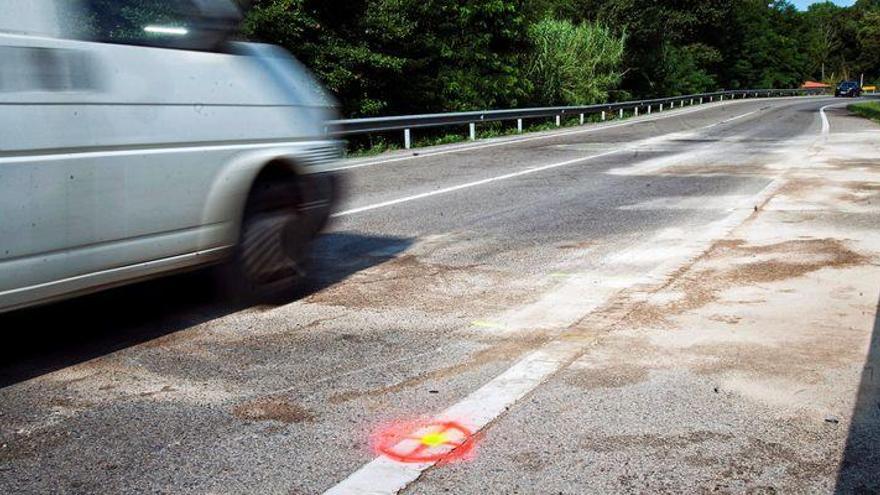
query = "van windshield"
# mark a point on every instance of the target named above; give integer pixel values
(161, 23)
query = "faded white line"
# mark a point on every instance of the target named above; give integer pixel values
(512, 175)
(384, 476)
(460, 149)
(735, 118)
(826, 126)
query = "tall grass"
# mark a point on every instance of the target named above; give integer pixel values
(573, 64)
(869, 110)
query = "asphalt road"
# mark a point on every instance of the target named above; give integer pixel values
(440, 273)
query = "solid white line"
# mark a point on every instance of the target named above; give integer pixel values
(384, 476)
(735, 118)
(505, 142)
(826, 126)
(490, 180)
(468, 185)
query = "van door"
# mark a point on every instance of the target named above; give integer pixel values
(107, 152)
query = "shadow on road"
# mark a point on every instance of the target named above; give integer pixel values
(860, 467)
(47, 338)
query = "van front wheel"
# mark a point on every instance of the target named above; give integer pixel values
(272, 247)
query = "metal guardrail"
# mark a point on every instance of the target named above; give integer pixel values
(406, 123)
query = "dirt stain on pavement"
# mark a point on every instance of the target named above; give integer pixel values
(411, 282)
(273, 408)
(504, 351)
(21, 445)
(732, 263)
(728, 170)
(610, 443)
(611, 377)
(532, 461)
(578, 245)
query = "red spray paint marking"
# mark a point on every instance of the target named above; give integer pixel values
(425, 442)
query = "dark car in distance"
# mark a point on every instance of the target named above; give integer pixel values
(848, 89)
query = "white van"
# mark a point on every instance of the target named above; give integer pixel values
(137, 139)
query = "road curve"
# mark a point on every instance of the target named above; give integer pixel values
(441, 272)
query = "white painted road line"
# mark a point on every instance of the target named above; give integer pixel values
(512, 175)
(826, 127)
(735, 118)
(468, 185)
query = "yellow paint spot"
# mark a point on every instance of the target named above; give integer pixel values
(434, 439)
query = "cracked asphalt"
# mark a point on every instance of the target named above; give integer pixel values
(716, 270)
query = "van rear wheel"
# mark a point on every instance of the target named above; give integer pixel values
(268, 260)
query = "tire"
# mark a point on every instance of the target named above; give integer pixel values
(268, 262)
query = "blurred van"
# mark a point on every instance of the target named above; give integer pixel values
(137, 139)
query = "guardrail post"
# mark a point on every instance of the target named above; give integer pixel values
(621, 113)
(649, 109)
(701, 100)
(519, 126)
(636, 112)
(721, 98)
(407, 139)
(692, 102)
(661, 107)
(603, 115)
(558, 121)
(582, 119)
(473, 129)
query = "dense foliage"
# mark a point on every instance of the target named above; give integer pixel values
(399, 56)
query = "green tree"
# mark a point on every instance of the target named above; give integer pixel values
(765, 46)
(869, 43)
(823, 38)
(343, 42)
(391, 56)
(404, 56)
(688, 68)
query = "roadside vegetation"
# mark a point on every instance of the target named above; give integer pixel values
(868, 110)
(387, 57)
(393, 57)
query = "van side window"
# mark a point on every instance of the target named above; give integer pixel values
(161, 23)
(29, 68)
